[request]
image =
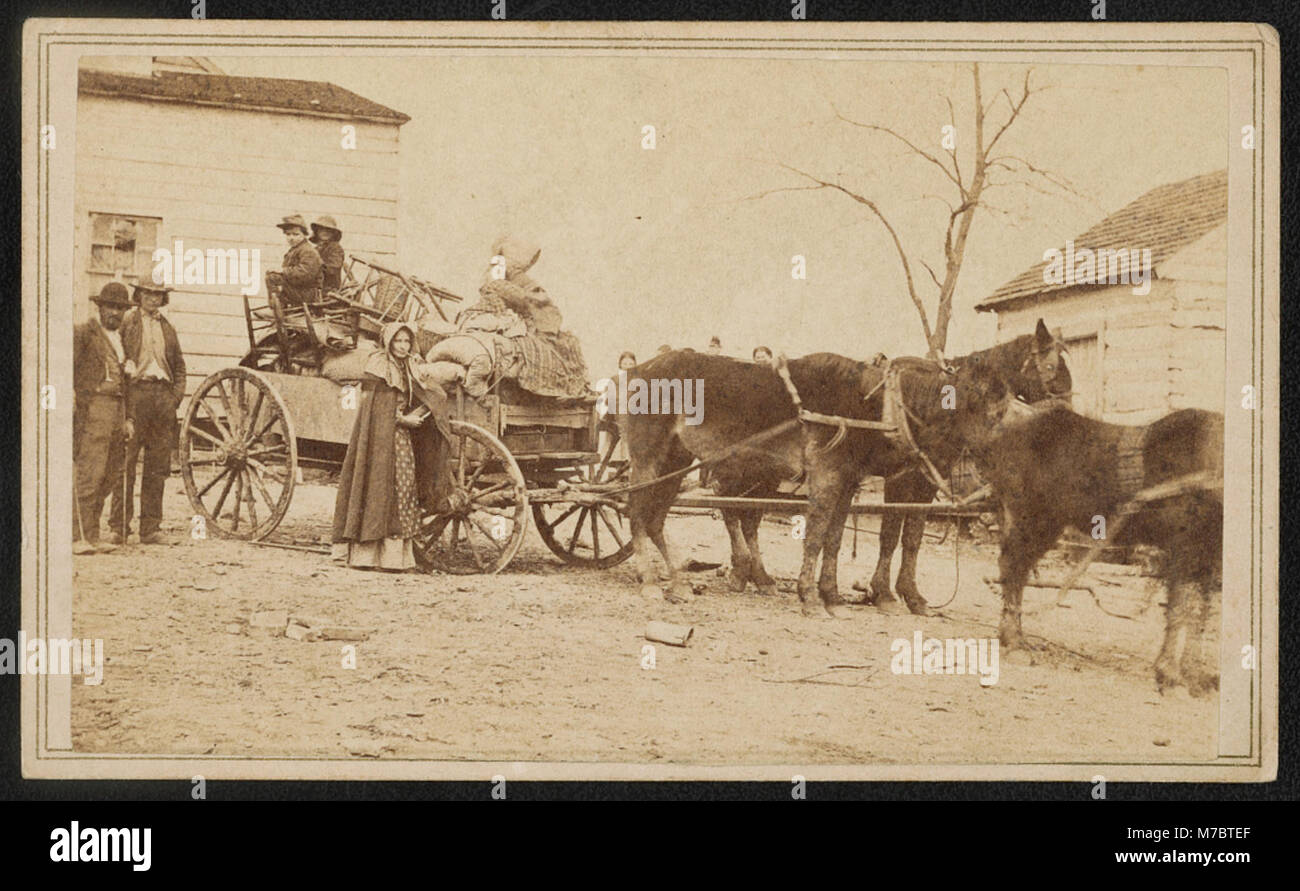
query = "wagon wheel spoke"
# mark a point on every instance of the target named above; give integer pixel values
(225, 405)
(239, 500)
(613, 530)
(216, 479)
(269, 451)
(474, 478)
(271, 422)
(487, 533)
(255, 476)
(492, 490)
(577, 529)
(247, 482)
(195, 431)
(552, 524)
(221, 428)
(595, 534)
(221, 499)
(252, 416)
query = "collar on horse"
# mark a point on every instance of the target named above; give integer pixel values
(896, 418)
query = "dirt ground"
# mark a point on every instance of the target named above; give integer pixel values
(544, 662)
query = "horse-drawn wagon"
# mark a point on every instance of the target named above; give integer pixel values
(250, 429)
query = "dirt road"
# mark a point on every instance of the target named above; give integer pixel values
(545, 662)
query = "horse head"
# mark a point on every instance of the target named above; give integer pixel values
(983, 404)
(1044, 374)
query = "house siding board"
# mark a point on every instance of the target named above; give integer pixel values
(217, 178)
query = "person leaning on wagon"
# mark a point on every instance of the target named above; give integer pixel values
(396, 465)
(326, 235)
(100, 427)
(155, 389)
(300, 272)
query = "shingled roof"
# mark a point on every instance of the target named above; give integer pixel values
(1165, 220)
(310, 97)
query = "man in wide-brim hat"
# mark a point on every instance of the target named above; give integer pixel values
(100, 428)
(156, 367)
(326, 236)
(300, 273)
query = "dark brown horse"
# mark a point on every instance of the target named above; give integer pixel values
(1034, 370)
(1056, 469)
(743, 400)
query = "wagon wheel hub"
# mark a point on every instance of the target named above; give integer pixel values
(234, 455)
(458, 501)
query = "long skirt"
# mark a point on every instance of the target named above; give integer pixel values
(395, 552)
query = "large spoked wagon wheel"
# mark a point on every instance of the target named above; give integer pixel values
(485, 522)
(238, 454)
(593, 532)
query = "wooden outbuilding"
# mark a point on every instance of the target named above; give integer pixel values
(1140, 299)
(172, 152)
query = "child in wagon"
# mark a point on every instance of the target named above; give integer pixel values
(326, 235)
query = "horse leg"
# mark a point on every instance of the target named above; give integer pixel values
(828, 584)
(741, 561)
(877, 587)
(647, 509)
(825, 489)
(920, 491)
(1201, 676)
(1187, 595)
(1182, 620)
(1024, 541)
(749, 525)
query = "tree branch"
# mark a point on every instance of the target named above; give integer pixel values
(907, 142)
(898, 244)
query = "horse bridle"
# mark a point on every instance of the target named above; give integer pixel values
(1046, 370)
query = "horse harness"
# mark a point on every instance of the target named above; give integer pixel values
(896, 419)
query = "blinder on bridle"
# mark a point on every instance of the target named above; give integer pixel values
(1047, 363)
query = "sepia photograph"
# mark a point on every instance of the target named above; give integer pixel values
(649, 401)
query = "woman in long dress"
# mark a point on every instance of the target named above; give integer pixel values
(396, 461)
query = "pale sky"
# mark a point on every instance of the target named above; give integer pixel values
(645, 247)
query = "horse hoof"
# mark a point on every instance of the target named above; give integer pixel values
(836, 611)
(736, 581)
(1009, 640)
(814, 611)
(1201, 685)
(768, 590)
(917, 606)
(890, 606)
(1019, 656)
(680, 593)
(652, 592)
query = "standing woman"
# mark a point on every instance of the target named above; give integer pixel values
(396, 462)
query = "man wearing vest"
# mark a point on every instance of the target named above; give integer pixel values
(100, 428)
(154, 393)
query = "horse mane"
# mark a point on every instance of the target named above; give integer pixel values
(830, 383)
(1005, 358)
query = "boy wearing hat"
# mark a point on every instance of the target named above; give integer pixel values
(301, 269)
(100, 428)
(326, 235)
(155, 391)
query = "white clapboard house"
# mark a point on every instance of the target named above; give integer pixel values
(172, 149)
(1135, 357)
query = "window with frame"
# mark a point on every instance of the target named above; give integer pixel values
(121, 248)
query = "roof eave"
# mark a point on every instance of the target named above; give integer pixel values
(396, 121)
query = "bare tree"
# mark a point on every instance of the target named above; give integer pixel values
(971, 187)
